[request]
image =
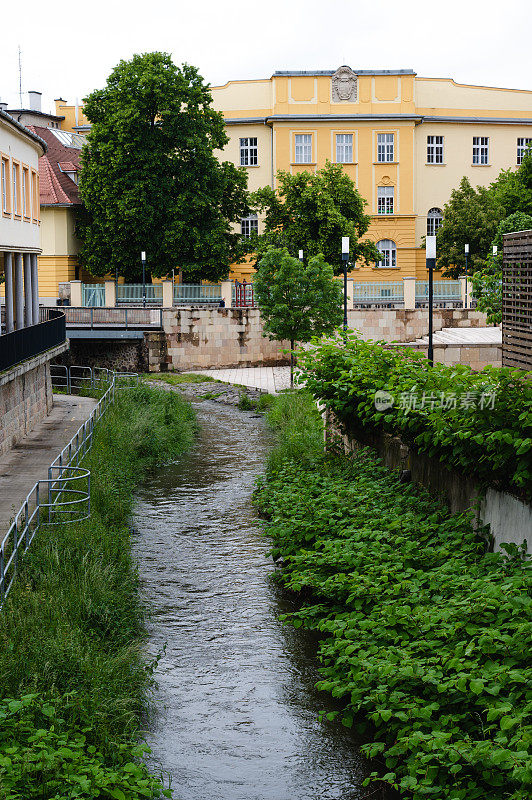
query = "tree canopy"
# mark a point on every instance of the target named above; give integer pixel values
(297, 301)
(150, 179)
(312, 212)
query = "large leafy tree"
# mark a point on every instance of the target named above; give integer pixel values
(470, 217)
(312, 211)
(297, 301)
(150, 179)
(513, 188)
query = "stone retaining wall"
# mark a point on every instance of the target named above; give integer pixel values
(25, 397)
(476, 356)
(398, 325)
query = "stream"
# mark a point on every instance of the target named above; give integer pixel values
(237, 712)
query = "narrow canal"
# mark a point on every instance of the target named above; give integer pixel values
(238, 714)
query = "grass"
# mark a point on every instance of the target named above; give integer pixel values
(177, 378)
(298, 428)
(72, 628)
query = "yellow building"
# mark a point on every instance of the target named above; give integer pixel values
(406, 142)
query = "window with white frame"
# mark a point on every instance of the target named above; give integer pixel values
(25, 192)
(388, 251)
(303, 154)
(4, 186)
(15, 190)
(249, 151)
(385, 147)
(385, 196)
(434, 149)
(522, 144)
(481, 149)
(344, 148)
(249, 225)
(434, 221)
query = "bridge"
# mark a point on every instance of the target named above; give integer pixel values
(111, 323)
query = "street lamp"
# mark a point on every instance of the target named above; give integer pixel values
(301, 256)
(495, 251)
(466, 251)
(345, 259)
(431, 263)
(143, 259)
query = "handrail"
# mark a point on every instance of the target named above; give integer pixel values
(63, 495)
(25, 343)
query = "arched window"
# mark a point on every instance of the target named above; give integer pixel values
(434, 220)
(388, 251)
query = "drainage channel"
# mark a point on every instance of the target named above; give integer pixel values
(237, 714)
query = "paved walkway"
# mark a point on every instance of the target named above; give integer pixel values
(27, 462)
(267, 379)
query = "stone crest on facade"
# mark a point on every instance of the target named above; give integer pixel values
(344, 85)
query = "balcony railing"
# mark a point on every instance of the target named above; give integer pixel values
(28, 342)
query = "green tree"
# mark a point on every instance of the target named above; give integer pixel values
(150, 179)
(513, 188)
(312, 211)
(487, 282)
(470, 217)
(297, 301)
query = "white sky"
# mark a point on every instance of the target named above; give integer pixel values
(69, 47)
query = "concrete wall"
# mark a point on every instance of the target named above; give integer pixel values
(476, 356)
(25, 397)
(509, 518)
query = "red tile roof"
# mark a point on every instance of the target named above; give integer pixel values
(56, 188)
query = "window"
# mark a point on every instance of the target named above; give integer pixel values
(5, 206)
(434, 149)
(249, 152)
(481, 146)
(249, 225)
(303, 148)
(385, 199)
(522, 145)
(388, 251)
(385, 147)
(25, 192)
(344, 148)
(16, 189)
(434, 220)
(34, 195)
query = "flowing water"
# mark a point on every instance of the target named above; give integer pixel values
(238, 712)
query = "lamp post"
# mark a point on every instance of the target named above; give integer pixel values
(300, 256)
(431, 263)
(345, 259)
(495, 251)
(143, 259)
(466, 251)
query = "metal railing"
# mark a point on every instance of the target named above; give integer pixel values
(444, 292)
(243, 295)
(64, 496)
(382, 293)
(24, 343)
(187, 294)
(133, 294)
(113, 317)
(93, 294)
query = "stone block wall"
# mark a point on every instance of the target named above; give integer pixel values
(25, 398)
(203, 338)
(122, 355)
(476, 356)
(398, 325)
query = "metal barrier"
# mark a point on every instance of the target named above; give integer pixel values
(93, 294)
(64, 496)
(133, 293)
(444, 293)
(187, 294)
(142, 318)
(25, 343)
(381, 293)
(243, 295)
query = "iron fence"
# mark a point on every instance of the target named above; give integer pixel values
(188, 294)
(93, 295)
(444, 292)
(133, 294)
(243, 295)
(28, 342)
(113, 317)
(64, 496)
(382, 293)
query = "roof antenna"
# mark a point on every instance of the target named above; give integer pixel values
(20, 74)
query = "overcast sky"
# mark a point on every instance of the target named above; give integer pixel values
(69, 47)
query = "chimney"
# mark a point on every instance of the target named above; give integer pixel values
(35, 101)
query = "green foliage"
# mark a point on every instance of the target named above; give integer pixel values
(513, 188)
(312, 211)
(297, 427)
(470, 217)
(297, 301)
(42, 756)
(424, 637)
(73, 622)
(486, 431)
(177, 378)
(245, 403)
(150, 178)
(487, 282)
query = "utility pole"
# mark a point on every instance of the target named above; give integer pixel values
(20, 75)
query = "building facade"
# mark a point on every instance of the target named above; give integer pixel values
(406, 141)
(20, 240)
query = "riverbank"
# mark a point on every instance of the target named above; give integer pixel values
(424, 636)
(74, 683)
